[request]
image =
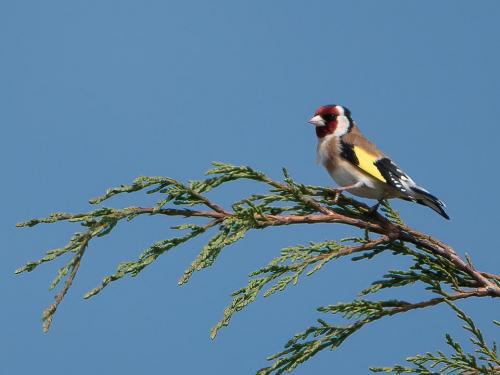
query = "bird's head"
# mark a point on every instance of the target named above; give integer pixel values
(332, 119)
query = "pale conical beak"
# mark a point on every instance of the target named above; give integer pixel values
(317, 121)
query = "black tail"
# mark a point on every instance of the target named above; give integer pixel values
(425, 198)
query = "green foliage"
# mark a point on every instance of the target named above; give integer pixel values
(431, 263)
(147, 257)
(283, 271)
(314, 339)
(485, 359)
(230, 231)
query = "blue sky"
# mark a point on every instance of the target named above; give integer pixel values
(96, 93)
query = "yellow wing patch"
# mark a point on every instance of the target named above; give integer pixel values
(367, 163)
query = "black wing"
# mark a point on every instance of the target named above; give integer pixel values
(410, 190)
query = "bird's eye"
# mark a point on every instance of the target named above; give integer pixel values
(329, 117)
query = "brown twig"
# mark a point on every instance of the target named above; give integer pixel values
(491, 276)
(484, 284)
(354, 249)
(375, 223)
(479, 292)
(49, 312)
(207, 202)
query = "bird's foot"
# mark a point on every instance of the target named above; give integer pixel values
(373, 210)
(339, 190)
(336, 195)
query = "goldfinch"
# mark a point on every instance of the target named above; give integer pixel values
(358, 166)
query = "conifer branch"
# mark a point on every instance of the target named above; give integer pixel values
(484, 360)
(73, 265)
(434, 264)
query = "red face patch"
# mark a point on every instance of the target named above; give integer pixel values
(328, 110)
(331, 114)
(329, 128)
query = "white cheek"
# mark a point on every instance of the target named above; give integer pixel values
(342, 126)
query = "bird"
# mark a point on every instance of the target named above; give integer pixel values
(358, 166)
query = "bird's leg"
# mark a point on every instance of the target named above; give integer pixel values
(374, 208)
(341, 189)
